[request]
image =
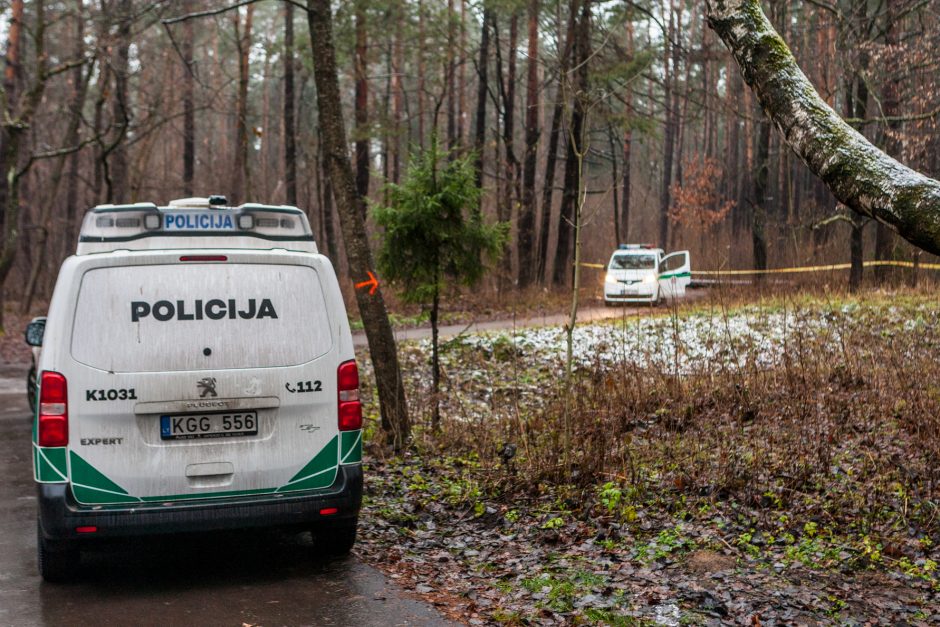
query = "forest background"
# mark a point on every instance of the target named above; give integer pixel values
(128, 100)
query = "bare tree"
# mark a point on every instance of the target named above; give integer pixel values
(189, 105)
(362, 100)
(528, 208)
(349, 204)
(241, 175)
(290, 132)
(548, 184)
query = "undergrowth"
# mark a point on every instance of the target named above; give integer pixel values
(824, 447)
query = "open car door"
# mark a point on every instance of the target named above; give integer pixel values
(675, 274)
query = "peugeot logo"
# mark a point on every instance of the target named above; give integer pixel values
(206, 387)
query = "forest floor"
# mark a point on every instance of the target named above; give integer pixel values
(759, 464)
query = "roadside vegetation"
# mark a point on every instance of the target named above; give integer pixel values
(773, 460)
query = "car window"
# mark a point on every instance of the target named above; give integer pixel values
(673, 263)
(633, 262)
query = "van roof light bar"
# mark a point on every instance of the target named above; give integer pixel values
(189, 222)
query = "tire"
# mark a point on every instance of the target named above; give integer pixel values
(58, 561)
(336, 540)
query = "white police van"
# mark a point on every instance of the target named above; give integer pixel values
(639, 273)
(196, 373)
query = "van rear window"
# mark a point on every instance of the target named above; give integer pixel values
(165, 318)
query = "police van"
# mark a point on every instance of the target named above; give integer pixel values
(196, 373)
(639, 273)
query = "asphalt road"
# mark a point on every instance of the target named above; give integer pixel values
(244, 578)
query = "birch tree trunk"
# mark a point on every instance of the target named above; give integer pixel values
(378, 329)
(858, 174)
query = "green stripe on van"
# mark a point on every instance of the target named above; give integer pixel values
(351, 447)
(675, 275)
(206, 495)
(86, 475)
(50, 464)
(320, 472)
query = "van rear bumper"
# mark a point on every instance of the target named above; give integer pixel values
(60, 515)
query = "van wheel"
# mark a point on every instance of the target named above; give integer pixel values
(336, 540)
(58, 561)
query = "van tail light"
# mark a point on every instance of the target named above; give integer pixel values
(53, 410)
(350, 409)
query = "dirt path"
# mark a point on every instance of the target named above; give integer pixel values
(590, 314)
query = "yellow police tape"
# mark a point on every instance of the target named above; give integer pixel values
(838, 266)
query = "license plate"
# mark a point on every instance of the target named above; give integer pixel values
(198, 426)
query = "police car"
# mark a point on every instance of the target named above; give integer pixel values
(196, 373)
(639, 273)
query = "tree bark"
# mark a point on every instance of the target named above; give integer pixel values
(397, 90)
(241, 180)
(891, 108)
(119, 188)
(671, 100)
(435, 363)
(290, 132)
(375, 320)
(42, 243)
(450, 76)
(189, 108)
(507, 89)
(858, 174)
(10, 143)
(362, 101)
(482, 88)
(422, 45)
(71, 193)
(527, 209)
(624, 234)
(19, 107)
(759, 201)
(551, 158)
(567, 222)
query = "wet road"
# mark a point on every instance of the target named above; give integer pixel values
(244, 578)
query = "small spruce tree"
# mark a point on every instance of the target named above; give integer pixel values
(433, 236)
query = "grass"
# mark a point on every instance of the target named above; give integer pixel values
(808, 444)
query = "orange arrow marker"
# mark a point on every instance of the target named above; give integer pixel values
(373, 282)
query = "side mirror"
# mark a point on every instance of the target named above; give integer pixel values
(35, 330)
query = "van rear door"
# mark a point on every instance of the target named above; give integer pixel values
(204, 376)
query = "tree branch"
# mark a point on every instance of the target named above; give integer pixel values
(861, 176)
(213, 12)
